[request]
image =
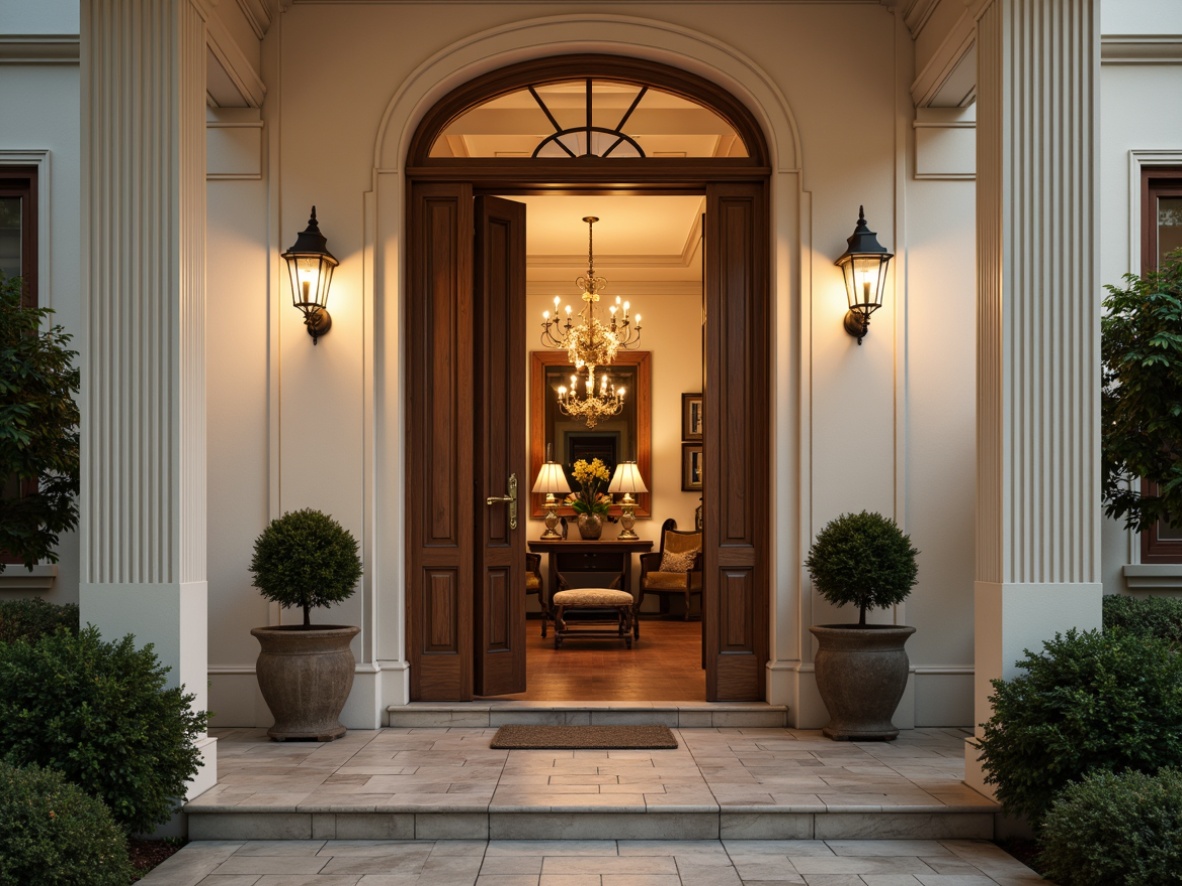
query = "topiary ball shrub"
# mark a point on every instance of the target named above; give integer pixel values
(1116, 830)
(1159, 617)
(1090, 701)
(864, 560)
(33, 619)
(52, 833)
(102, 715)
(305, 559)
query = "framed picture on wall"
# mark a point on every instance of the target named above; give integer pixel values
(691, 417)
(691, 467)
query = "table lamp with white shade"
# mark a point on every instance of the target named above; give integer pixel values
(551, 479)
(627, 480)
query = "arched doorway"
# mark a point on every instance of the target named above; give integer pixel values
(465, 631)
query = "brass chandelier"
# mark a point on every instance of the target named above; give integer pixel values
(590, 345)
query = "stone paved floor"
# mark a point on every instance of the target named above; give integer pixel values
(730, 769)
(592, 863)
(444, 769)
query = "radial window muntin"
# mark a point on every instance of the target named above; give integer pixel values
(588, 117)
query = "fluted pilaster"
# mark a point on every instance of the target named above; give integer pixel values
(1038, 378)
(142, 509)
(143, 496)
(1038, 385)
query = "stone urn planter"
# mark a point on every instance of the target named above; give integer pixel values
(865, 560)
(305, 675)
(861, 675)
(305, 559)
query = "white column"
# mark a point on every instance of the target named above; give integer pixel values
(143, 256)
(1038, 493)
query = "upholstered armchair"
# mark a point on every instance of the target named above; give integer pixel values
(675, 569)
(535, 585)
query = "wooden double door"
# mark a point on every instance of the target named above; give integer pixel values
(465, 382)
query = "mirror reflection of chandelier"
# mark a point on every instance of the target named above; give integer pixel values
(592, 405)
(590, 345)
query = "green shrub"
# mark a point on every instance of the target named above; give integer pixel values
(1116, 830)
(100, 714)
(38, 429)
(33, 619)
(1159, 617)
(1090, 701)
(52, 833)
(305, 559)
(864, 560)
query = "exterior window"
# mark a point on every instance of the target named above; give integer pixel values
(1161, 233)
(18, 258)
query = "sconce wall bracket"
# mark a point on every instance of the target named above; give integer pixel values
(318, 322)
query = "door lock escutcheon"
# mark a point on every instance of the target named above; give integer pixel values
(511, 498)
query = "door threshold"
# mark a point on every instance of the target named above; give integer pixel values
(493, 713)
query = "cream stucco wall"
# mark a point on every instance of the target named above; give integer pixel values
(1138, 131)
(50, 142)
(886, 426)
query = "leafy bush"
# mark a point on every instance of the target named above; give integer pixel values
(1159, 617)
(52, 833)
(1116, 830)
(305, 559)
(1091, 701)
(100, 714)
(33, 619)
(863, 559)
(1141, 396)
(38, 428)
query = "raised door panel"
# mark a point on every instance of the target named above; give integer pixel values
(500, 458)
(738, 405)
(440, 443)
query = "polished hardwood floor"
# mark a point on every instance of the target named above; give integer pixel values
(664, 665)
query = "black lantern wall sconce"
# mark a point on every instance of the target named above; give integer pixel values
(864, 267)
(310, 266)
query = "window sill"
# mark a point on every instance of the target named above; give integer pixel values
(17, 578)
(1153, 576)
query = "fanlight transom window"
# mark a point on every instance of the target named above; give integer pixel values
(589, 117)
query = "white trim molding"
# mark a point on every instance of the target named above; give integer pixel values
(1138, 161)
(39, 159)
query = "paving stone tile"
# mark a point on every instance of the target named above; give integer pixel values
(272, 864)
(628, 864)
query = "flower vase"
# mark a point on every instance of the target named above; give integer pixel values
(590, 526)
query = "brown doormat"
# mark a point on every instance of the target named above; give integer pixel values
(568, 738)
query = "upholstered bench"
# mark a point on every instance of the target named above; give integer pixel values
(593, 598)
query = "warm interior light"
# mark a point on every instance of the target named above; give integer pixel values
(863, 267)
(310, 266)
(591, 344)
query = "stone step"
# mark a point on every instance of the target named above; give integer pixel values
(588, 823)
(684, 715)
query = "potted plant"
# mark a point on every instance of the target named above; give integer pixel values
(590, 502)
(305, 559)
(866, 560)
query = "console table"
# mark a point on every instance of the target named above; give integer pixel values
(578, 555)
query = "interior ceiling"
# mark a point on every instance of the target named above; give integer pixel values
(636, 238)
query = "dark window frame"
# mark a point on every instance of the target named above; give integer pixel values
(21, 181)
(1156, 182)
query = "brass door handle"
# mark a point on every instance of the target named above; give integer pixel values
(511, 498)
